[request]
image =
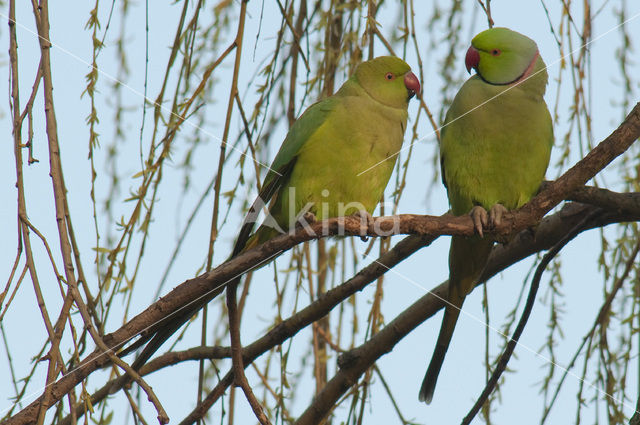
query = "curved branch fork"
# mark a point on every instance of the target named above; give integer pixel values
(530, 214)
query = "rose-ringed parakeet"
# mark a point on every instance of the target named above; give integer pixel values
(317, 168)
(494, 151)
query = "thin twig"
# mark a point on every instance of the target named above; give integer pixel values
(604, 310)
(528, 307)
(240, 379)
(487, 11)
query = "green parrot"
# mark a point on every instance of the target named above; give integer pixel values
(494, 152)
(318, 168)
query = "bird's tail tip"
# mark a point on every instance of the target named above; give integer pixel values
(428, 386)
(426, 392)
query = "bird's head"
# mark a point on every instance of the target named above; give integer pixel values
(501, 56)
(389, 80)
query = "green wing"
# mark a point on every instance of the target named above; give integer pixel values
(280, 169)
(443, 134)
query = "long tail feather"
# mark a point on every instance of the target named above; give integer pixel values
(467, 259)
(451, 314)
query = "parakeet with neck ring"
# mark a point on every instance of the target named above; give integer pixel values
(494, 151)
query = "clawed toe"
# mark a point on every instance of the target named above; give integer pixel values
(483, 220)
(495, 215)
(365, 220)
(480, 219)
(309, 217)
(306, 219)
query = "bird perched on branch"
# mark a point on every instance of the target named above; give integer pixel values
(494, 152)
(336, 160)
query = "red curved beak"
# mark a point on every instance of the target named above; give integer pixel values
(411, 83)
(472, 59)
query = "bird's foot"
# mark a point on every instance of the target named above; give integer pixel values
(304, 220)
(365, 220)
(480, 219)
(309, 217)
(495, 219)
(495, 215)
(483, 220)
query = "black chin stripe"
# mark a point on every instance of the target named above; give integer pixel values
(502, 84)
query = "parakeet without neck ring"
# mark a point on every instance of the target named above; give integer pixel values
(318, 167)
(494, 152)
(361, 127)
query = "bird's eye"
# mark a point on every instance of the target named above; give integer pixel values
(389, 76)
(496, 52)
